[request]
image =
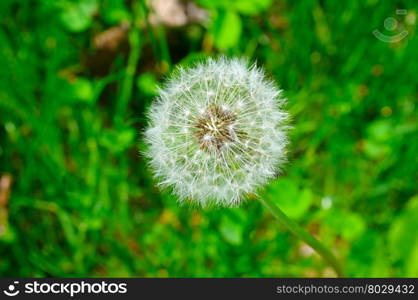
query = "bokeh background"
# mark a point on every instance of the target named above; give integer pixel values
(77, 77)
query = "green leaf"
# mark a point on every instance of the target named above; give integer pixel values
(231, 230)
(83, 90)
(226, 29)
(349, 225)
(375, 150)
(293, 201)
(380, 130)
(115, 11)
(379, 133)
(246, 7)
(147, 84)
(368, 256)
(251, 7)
(117, 141)
(403, 238)
(213, 3)
(78, 17)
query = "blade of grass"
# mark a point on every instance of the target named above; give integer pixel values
(134, 55)
(153, 40)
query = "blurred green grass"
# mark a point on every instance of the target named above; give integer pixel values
(78, 76)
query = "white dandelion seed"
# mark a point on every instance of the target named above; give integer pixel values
(217, 132)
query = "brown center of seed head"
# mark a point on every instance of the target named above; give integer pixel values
(215, 128)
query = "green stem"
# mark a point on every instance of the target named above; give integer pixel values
(165, 52)
(134, 54)
(302, 234)
(160, 46)
(154, 44)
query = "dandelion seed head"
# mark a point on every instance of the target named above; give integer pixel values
(217, 132)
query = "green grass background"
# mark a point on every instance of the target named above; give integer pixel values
(83, 202)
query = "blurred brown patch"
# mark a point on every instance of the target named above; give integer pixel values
(5, 187)
(112, 38)
(377, 70)
(107, 44)
(175, 13)
(363, 91)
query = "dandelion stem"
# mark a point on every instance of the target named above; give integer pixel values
(304, 235)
